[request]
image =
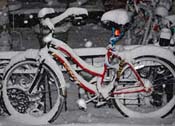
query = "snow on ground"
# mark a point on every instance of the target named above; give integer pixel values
(97, 117)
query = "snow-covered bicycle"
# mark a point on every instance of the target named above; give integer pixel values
(139, 81)
(152, 23)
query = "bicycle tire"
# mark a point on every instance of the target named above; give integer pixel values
(28, 115)
(162, 109)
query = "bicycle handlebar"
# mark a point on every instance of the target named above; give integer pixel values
(70, 12)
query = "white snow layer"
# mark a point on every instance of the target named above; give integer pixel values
(119, 16)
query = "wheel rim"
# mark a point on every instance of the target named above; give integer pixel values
(160, 101)
(39, 106)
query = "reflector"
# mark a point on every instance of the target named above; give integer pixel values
(117, 32)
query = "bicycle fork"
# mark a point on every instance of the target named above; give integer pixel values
(38, 77)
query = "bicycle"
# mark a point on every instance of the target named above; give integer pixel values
(138, 81)
(149, 21)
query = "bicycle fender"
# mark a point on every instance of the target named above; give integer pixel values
(37, 54)
(54, 66)
(133, 52)
(28, 54)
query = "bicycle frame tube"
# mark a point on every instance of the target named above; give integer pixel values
(78, 79)
(48, 59)
(96, 71)
(59, 54)
(134, 89)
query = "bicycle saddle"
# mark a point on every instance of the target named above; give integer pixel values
(118, 16)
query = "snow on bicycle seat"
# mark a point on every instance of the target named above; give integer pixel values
(118, 16)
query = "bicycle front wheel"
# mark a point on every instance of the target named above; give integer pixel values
(38, 106)
(160, 74)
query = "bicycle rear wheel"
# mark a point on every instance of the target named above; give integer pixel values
(40, 106)
(160, 102)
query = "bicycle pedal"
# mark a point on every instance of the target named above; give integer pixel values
(82, 104)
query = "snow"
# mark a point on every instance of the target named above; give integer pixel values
(32, 53)
(81, 2)
(129, 52)
(88, 44)
(170, 18)
(45, 11)
(50, 22)
(73, 11)
(95, 117)
(76, 11)
(104, 124)
(119, 16)
(161, 11)
(82, 103)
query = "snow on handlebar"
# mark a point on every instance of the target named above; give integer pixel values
(47, 22)
(50, 22)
